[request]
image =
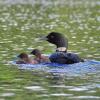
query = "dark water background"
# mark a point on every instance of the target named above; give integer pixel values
(22, 22)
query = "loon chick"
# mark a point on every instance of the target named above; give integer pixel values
(39, 56)
(61, 55)
(25, 59)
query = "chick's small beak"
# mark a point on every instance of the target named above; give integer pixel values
(31, 52)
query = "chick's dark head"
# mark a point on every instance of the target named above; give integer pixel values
(58, 39)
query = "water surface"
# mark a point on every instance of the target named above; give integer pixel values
(22, 22)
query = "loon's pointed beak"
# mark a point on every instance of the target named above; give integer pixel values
(44, 38)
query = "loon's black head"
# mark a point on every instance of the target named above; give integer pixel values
(58, 39)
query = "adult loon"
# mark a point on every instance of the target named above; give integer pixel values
(61, 55)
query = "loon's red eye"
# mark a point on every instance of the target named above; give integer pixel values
(52, 36)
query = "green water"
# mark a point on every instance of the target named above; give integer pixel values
(22, 22)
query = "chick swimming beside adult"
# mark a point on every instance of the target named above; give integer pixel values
(61, 55)
(25, 59)
(39, 56)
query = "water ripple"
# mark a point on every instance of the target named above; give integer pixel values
(35, 88)
(7, 94)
